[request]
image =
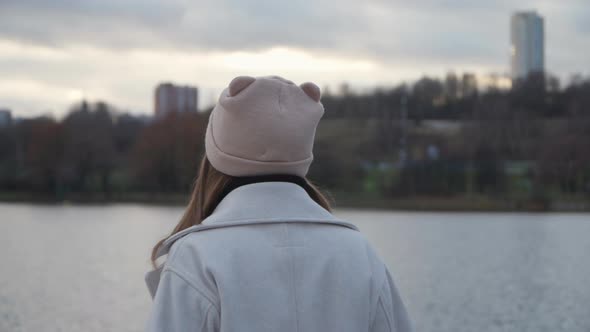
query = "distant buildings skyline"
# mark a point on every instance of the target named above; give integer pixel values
(169, 98)
(527, 39)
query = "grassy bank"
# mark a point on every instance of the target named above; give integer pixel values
(459, 203)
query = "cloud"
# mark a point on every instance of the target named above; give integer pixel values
(443, 29)
(118, 50)
(128, 77)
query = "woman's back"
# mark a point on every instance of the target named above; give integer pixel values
(285, 264)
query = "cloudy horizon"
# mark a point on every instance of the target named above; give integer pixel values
(53, 54)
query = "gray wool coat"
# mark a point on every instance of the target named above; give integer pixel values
(270, 259)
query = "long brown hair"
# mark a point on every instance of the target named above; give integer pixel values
(208, 186)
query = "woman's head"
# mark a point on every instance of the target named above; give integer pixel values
(260, 126)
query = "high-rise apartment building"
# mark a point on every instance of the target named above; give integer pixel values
(527, 51)
(173, 98)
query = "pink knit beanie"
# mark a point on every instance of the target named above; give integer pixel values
(263, 125)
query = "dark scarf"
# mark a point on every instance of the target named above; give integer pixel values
(237, 182)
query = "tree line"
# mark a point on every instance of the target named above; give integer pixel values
(435, 137)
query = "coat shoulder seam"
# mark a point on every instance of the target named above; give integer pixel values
(207, 316)
(185, 278)
(387, 318)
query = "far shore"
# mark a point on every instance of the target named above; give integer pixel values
(462, 203)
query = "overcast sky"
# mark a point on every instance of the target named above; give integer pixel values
(53, 53)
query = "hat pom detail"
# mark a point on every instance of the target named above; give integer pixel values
(239, 83)
(312, 91)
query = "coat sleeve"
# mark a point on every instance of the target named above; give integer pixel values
(179, 306)
(390, 314)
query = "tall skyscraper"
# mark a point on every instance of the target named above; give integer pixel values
(173, 98)
(527, 51)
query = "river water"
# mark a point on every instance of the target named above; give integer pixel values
(80, 268)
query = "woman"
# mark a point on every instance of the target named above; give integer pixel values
(257, 248)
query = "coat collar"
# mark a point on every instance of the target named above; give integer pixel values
(264, 202)
(268, 200)
(256, 203)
